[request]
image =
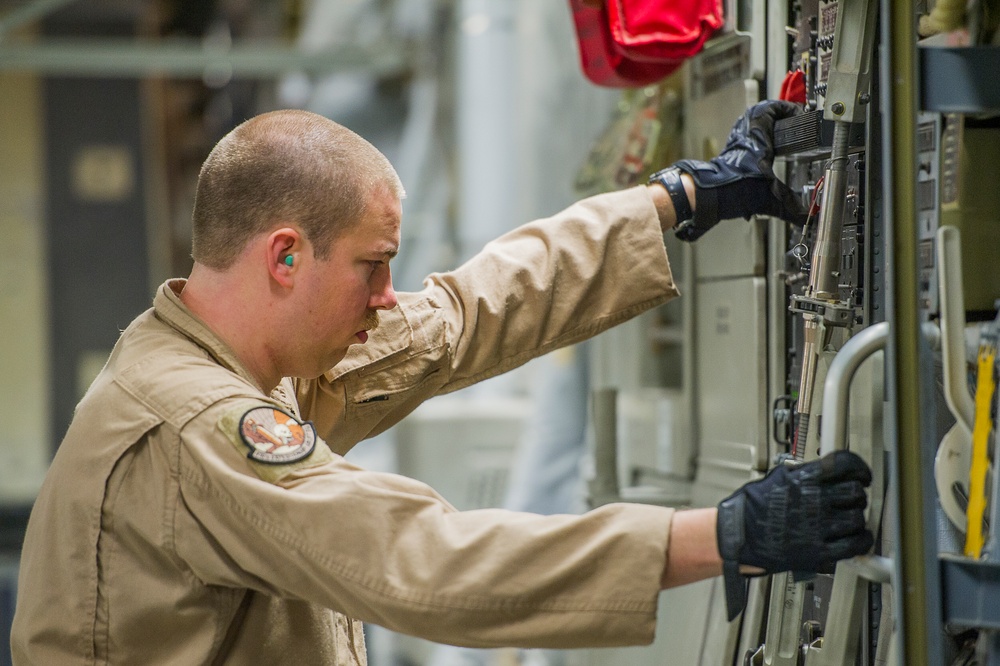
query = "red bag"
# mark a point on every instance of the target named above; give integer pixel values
(654, 30)
(631, 43)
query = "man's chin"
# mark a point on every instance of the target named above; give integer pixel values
(337, 358)
(330, 363)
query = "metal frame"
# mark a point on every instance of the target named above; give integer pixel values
(180, 57)
(959, 80)
(187, 58)
(33, 11)
(847, 609)
(971, 588)
(918, 594)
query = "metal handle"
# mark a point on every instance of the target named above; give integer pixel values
(956, 392)
(836, 389)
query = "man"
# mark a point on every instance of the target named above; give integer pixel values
(199, 509)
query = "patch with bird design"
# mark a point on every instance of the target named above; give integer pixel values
(275, 437)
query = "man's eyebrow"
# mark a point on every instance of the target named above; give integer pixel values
(390, 253)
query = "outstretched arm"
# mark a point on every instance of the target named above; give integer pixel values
(693, 553)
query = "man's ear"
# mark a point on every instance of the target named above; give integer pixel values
(284, 252)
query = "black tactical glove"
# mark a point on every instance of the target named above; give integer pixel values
(740, 182)
(800, 517)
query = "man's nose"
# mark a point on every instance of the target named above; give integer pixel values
(383, 296)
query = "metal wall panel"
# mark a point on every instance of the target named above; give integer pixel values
(97, 247)
(731, 362)
(24, 440)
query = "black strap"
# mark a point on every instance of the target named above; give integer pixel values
(730, 536)
(670, 178)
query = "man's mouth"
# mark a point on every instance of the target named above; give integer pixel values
(372, 321)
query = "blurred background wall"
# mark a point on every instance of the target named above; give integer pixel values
(108, 108)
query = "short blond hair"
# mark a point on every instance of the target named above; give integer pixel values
(280, 167)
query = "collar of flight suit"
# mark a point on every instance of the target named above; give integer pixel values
(169, 308)
(394, 334)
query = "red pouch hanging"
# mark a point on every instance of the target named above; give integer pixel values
(632, 43)
(601, 62)
(657, 30)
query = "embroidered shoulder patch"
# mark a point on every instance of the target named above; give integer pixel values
(275, 437)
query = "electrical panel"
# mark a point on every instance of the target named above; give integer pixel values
(791, 334)
(822, 313)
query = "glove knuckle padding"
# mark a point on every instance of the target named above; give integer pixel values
(845, 495)
(797, 518)
(845, 524)
(849, 546)
(845, 466)
(794, 512)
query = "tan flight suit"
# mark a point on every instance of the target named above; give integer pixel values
(155, 538)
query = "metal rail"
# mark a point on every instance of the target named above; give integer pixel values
(191, 58)
(956, 391)
(32, 11)
(837, 387)
(918, 591)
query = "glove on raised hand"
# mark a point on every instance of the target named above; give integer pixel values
(800, 517)
(740, 182)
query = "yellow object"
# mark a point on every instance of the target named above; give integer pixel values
(985, 386)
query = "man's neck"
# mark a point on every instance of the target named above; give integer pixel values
(218, 299)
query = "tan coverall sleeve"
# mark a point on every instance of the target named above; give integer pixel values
(387, 549)
(547, 284)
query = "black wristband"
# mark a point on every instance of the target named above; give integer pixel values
(730, 536)
(670, 178)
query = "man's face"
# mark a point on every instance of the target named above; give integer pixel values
(344, 292)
